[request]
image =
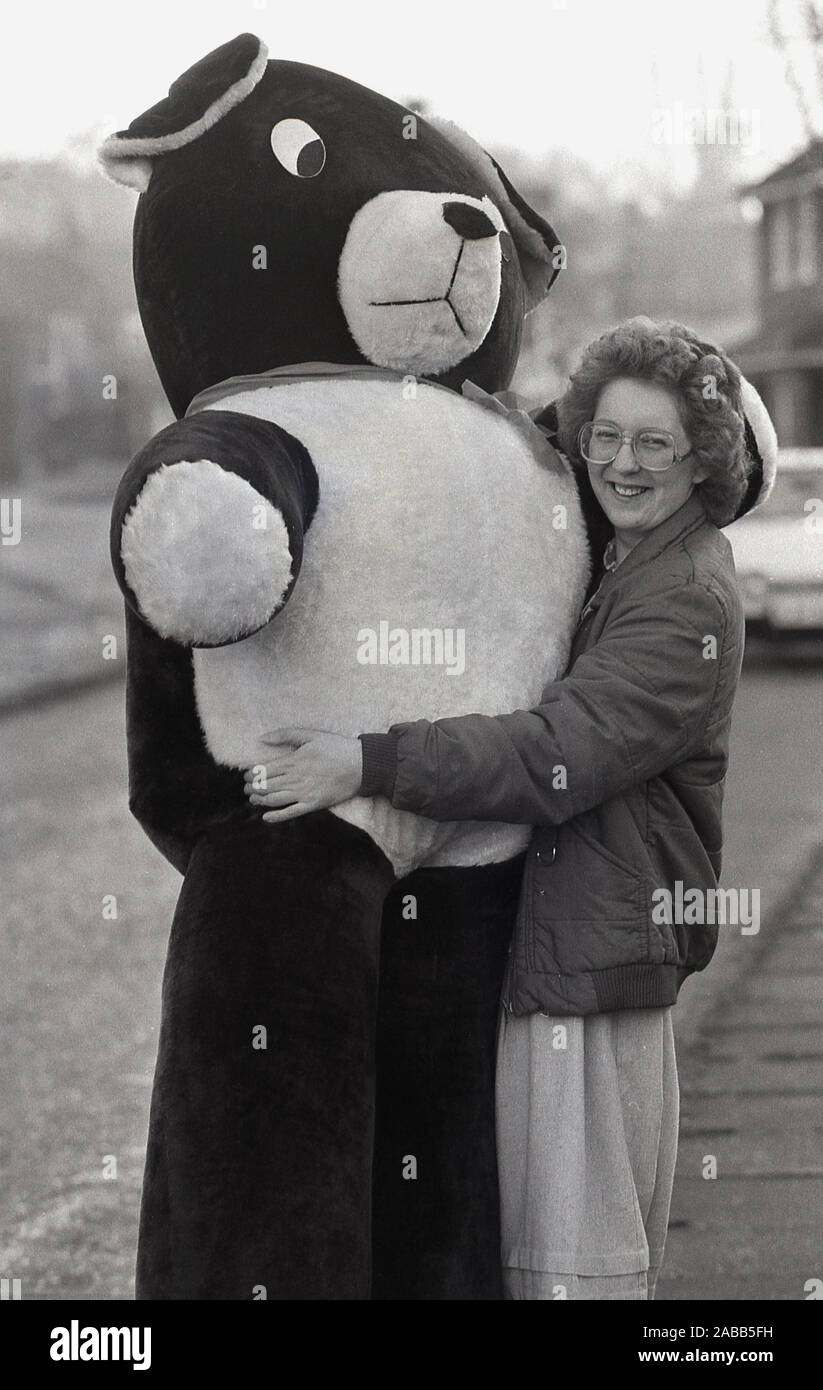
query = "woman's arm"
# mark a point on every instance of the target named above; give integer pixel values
(637, 703)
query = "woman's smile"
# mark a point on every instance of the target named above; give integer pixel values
(627, 491)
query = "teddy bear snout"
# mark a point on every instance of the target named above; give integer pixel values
(420, 276)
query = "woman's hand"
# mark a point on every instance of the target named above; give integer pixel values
(311, 769)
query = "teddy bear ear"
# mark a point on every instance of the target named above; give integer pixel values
(538, 246)
(196, 102)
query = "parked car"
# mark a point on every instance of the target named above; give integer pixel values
(778, 551)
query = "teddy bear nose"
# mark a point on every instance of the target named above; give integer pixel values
(468, 221)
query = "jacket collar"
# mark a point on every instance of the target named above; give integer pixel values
(681, 523)
(686, 519)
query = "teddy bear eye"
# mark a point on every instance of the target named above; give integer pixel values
(298, 148)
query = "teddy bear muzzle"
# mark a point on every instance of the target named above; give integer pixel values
(419, 278)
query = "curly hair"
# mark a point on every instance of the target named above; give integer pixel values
(705, 384)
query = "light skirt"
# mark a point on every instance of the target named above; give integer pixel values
(587, 1123)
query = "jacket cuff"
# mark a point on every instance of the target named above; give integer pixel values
(379, 764)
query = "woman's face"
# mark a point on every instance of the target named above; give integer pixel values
(634, 499)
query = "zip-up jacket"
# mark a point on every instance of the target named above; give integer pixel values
(620, 769)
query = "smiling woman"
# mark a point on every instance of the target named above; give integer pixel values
(620, 770)
(643, 375)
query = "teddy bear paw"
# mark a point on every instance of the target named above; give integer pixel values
(206, 556)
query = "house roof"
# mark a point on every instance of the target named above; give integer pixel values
(797, 346)
(805, 168)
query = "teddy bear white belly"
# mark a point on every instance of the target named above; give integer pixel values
(442, 574)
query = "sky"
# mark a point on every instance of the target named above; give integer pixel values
(595, 77)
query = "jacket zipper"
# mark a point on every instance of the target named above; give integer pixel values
(544, 857)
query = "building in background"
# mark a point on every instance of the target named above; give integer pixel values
(784, 358)
(668, 252)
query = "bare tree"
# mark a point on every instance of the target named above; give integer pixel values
(811, 21)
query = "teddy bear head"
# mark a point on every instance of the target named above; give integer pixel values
(288, 215)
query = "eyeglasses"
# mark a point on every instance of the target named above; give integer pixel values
(600, 441)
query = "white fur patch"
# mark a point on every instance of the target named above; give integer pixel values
(765, 435)
(434, 513)
(416, 295)
(205, 555)
(131, 173)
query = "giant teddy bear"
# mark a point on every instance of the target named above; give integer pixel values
(342, 529)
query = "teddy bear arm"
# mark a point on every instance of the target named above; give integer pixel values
(177, 791)
(208, 526)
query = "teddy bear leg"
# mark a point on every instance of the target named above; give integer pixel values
(258, 1169)
(445, 940)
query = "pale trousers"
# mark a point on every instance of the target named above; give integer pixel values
(587, 1126)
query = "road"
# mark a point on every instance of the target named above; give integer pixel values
(80, 987)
